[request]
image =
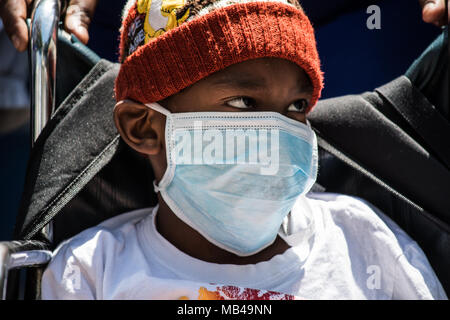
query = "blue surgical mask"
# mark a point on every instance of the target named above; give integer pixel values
(234, 176)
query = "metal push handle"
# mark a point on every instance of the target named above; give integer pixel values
(43, 40)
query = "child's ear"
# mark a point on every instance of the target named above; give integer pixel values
(140, 127)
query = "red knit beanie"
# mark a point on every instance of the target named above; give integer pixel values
(167, 46)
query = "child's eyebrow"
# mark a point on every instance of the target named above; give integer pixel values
(250, 82)
(240, 81)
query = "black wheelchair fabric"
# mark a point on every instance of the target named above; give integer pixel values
(393, 171)
(74, 62)
(367, 128)
(71, 140)
(81, 172)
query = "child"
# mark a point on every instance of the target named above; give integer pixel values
(216, 94)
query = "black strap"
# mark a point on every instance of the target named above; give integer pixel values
(379, 181)
(422, 117)
(60, 165)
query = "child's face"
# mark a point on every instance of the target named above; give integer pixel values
(267, 84)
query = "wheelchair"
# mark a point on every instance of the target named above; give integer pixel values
(81, 173)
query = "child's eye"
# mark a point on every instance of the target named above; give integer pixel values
(299, 106)
(241, 103)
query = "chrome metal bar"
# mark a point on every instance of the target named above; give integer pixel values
(4, 261)
(20, 254)
(43, 39)
(43, 47)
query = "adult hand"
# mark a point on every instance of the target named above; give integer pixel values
(435, 12)
(14, 13)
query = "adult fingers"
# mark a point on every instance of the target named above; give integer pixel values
(434, 11)
(13, 14)
(78, 17)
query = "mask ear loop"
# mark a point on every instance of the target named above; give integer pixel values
(155, 187)
(157, 107)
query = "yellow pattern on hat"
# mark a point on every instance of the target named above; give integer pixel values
(160, 16)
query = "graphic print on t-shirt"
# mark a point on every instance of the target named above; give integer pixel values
(217, 292)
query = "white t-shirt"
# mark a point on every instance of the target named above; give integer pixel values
(341, 248)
